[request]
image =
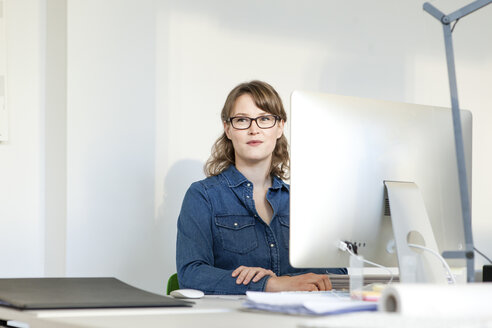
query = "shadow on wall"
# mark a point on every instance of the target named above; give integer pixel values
(178, 179)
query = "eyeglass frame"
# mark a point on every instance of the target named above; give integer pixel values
(251, 119)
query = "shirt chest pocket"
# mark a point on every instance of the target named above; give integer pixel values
(284, 227)
(237, 233)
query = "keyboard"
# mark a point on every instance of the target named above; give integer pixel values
(387, 320)
(332, 292)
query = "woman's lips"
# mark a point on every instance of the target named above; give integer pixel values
(255, 142)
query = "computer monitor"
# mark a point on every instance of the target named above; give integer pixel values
(343, 149)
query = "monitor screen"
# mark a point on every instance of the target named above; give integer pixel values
(343, 149)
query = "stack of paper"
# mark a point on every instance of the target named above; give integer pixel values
(312, 303)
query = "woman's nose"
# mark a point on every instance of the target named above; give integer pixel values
(253, 129)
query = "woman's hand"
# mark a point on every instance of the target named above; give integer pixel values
(245, 274)
(303, 282)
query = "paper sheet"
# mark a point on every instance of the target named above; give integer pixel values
(310, 303)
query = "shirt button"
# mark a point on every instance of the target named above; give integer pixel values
(272, 245)
(235, 224)
(249, 184)
(256, 216)
(247, 196)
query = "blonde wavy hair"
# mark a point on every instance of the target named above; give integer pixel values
(265, 98)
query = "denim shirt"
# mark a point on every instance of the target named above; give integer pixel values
(219, 230)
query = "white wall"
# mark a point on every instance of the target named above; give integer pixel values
(111, 229)
(147, 80)
(22, 156)
(55, 126)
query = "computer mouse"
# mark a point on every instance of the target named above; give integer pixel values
(187, 293)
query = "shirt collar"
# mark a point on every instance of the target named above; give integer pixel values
(279, 183)
(235, 178)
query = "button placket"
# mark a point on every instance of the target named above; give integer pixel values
(274, 251)
(249, 191)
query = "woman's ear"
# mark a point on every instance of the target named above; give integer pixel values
(226, 129)
(280, 130)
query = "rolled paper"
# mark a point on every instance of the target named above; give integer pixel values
(472, 299)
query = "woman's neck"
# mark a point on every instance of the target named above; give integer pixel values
(258, 174)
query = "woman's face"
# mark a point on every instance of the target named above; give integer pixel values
(252, 145)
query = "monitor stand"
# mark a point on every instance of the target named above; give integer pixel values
(411, 225)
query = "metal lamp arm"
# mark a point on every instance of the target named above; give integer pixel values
(468, 252)
(466, 10)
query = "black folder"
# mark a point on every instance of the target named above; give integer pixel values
(78, 293)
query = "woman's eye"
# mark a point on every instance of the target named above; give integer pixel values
(265, 118)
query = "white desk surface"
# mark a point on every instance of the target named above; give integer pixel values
(211, 311)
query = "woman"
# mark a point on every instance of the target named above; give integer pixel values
(233, 229)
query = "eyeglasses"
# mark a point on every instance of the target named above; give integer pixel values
(263, 122)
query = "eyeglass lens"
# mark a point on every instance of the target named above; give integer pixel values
(263, 122)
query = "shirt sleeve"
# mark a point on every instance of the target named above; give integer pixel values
(194, 249)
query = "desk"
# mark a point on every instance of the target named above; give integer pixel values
(211, 311)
